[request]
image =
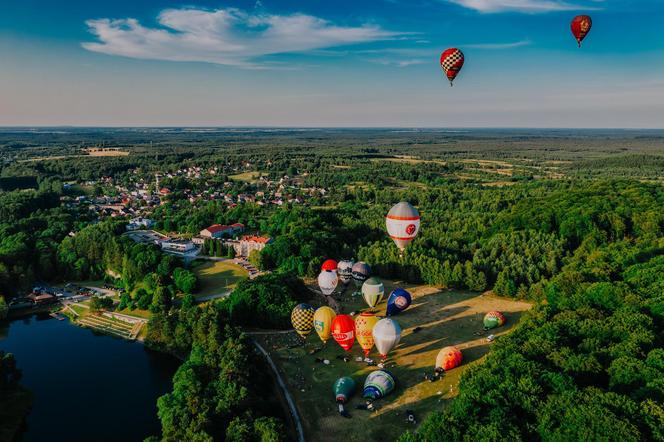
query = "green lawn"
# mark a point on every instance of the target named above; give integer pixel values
(218, 276)
(247, 177)
(445, 317)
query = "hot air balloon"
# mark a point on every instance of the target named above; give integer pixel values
(361, 272)
(373, 291)
(493, 319)
(343, 331)
(387, 334)
(343, 389)
(364, 325)
(398, 301)
(329, 265)
(403, 223)
(580, 26)
(327, 281)
(378, 384)
(345, 271)
(323, 318)
(302, 318)
(451, 60)
(448, 358)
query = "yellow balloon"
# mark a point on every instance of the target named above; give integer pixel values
(323, 318)
(364, 325)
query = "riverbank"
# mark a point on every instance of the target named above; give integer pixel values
(14, 409)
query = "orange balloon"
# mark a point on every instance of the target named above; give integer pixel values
(448, 358)
(364, 325)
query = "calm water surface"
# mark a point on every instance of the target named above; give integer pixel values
(86, 386)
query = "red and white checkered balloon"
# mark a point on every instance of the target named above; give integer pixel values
(451, 61)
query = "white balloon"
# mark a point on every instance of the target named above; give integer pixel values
(387, 334)
(327, 281)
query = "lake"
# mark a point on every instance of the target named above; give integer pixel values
(86, 386)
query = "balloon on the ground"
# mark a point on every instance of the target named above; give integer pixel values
(327, 281)
(343, 389)
(373, 291)
(403, 223)
(449, 358)
(345, 271)
(361, 272)
(451, 61)
(343, 331)
(387, 334)
(329, 265)
(398, 301)
(493, 319)
(364, 325)
(580, 26)
(302, 318)
(323, 318)
(378, 384)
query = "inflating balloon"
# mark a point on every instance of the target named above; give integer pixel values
(323, 318)
(329, 265)
(343, 389)
(403, 223)
(448, 358)
(387, 334)
(302, 318)
(398, 301)
(343, 331)
(373, 291)
(580, 26)
(361, 272)
(493, 319)
(364, 325)
(451, 61)
(345, 271)
(327, 281)
(378, 384)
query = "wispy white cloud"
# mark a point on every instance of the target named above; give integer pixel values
(225, 36)
(497, 46)
(401, 63)
(525, 6)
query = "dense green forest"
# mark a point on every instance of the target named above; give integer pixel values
(572, 220)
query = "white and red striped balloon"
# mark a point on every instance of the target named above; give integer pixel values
(403, 224)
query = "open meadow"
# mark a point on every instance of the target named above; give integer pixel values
(216, 277)
(445, 317)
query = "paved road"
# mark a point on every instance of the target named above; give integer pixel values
(284, 391)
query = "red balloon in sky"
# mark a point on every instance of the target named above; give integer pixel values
(343, 331)
(451, 61)
(329, 265)
(581, 25)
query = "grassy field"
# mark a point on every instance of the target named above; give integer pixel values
(218, 276)
(445, 317)
(248, 177)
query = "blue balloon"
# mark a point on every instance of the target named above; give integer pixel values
(398, 301)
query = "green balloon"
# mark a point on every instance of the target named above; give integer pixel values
(344, 388)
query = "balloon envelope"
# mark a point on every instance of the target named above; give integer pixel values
(493, 319)
(403, 224)
(373, 291)
(448, 358)
(329, 265)
(345, 271)
(302, 318)
(327, 281)
(451, 61)
(378, 384)
(343, 331)
(343, 389)
(398, 301)
(387, 334)
(580, 26)
(364, 325)
(361, 272)
(323, 318)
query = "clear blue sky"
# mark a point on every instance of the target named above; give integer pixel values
(330, 63)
